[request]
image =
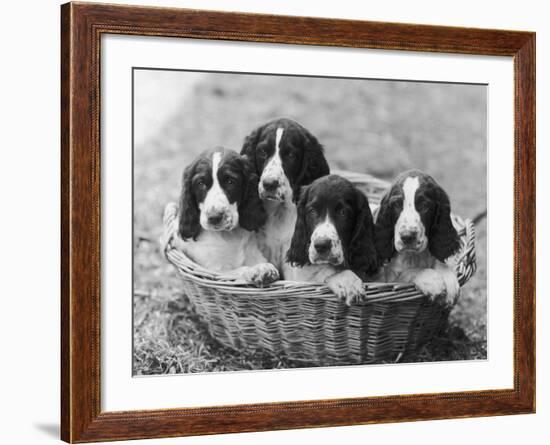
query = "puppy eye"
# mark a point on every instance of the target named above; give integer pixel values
(342, 212)
(201, 185)
(312, 211)
(262, 151)
(291, 156)
(229, 181)
(424, 205)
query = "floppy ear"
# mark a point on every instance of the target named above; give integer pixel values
(297, 254)
(189, 223)
(384, 229)
(252, 214)
(249, 146)
(361, 253)
(443, 237)
(314, 164)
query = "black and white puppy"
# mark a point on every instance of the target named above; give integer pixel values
(286, 157)
(219, 215)
(415, 235)
(333, 240)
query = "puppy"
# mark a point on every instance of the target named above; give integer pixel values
(416, 237)
(219, 213)
(286, 157)
(333, 240)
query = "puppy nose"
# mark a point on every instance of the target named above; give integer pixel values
(323, 245)
(408, 236)
(215, 218)
(270, 184)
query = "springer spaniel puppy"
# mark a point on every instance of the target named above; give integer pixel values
(219, 213)
(333, 241)
(416, 237)
(286, 157)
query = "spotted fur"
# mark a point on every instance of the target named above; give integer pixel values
(286, 157)
(415, 235)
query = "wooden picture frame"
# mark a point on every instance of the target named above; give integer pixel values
(82, 26)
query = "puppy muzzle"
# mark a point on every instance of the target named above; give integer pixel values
(272, 189)
(410, 239)
(218, 220)
(325, 250)
(274, 184)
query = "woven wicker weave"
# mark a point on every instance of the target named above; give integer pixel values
(305, 322)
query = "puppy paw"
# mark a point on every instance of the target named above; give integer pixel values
(431, 283)
(452, 288)
(262, 274)
(346, 286)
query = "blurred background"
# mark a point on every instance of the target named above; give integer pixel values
(369, 126)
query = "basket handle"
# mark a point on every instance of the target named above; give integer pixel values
(170, 225)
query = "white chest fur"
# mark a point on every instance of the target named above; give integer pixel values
(310, 273)
(276, 235)
(220, 251)
(405, 261)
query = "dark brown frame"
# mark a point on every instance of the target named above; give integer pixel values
(81, 28)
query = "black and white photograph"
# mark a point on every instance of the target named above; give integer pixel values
(277, 221)
(287, 221)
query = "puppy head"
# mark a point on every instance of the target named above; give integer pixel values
(219, 193)
(334, 226)
(286, 157)
(414, 215)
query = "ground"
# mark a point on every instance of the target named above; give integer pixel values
(376, 127)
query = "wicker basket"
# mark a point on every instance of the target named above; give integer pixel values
(305, 322)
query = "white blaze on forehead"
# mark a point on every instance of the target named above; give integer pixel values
(215, 189)
(410, 186)
(409, 220)
(275, 161)
(216, 200)
(274, 170)
(326, 230)
(278, 137)
(216, 158)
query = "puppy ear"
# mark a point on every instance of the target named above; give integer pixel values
(314, 163)
(361, 253)
(297, 254)
(252, 214)
(384, 228)
(443, 237)
(249, 146)
(189, 217)
(297, 194)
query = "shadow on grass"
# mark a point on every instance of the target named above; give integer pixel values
(451, 344)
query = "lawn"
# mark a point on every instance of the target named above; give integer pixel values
(375, 127)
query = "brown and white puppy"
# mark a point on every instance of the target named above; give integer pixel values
(416, 237)
(286, 157)
(333, 240)
(219, 215)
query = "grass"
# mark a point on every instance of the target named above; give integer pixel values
(377, 127)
